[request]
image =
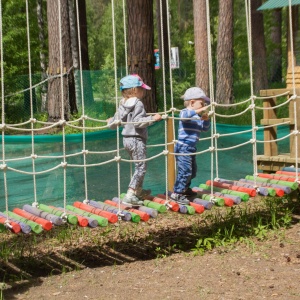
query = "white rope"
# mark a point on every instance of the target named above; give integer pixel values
(83, 104)
(294, 86)
(31, 102)
(116, 100)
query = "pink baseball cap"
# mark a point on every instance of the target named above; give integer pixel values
(132, 81)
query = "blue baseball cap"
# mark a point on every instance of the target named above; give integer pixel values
(132, 81)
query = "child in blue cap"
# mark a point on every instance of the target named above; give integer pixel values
(190, 127)
(135, 135)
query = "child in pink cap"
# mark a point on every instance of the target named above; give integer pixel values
(135, 135)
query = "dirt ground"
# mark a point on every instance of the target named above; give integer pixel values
(134, 268)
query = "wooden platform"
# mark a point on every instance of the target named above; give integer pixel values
(274, 163)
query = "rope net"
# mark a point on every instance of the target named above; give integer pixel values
(92, 165)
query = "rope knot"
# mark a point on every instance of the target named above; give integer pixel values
(85, 117)
(216, 135)
(255, 128)
(35, 204)
(62, 122)
(85, 151)
(117, 158)
(165, 152)
(164, 117)
(63, 164)
(295, 132)
(252, 141)
(32, 120)
(252, 106)
(86, 201)
(211, 149)
(33, 156)
(117, 122)
(2, 126)
(211, 113)
(294, 97)
(173, 109)
(3, 166)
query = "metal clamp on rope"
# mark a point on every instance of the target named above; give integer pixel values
(117, 158)
(35, 204)
(165, 152)
(167, 204)
(3, 166)
(212, 200)
(64, 217)
(32, 120)
(120, 215)
(7, 224)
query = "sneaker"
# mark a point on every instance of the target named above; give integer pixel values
(142, 194)
(190, 193)
(179, 198)
(132, 199)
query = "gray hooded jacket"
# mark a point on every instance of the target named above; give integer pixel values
(132, 110)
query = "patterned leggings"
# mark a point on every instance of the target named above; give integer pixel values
(136, 148)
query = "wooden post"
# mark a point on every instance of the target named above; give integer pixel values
(270, 149)
(171, 158)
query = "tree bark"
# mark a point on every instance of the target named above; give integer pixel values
(57, 100)
(141, 46)
(276, 55)
(201, 47)
(42, 40)
(224, 92)
(259, 48)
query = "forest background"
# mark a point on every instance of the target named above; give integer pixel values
(229, 52)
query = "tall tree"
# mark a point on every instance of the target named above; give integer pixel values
(201, 46)
(141, 45)
(56, 45)
(224, 84)
(276, 54)
(259, 47)
(42, 39)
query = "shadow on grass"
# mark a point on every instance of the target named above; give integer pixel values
(25, 259)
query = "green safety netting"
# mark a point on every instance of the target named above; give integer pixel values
(102, 181)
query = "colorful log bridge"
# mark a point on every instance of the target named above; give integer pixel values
(221, 192)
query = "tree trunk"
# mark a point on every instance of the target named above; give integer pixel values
(259, 48)
(85, 63)
(201, 47)
(42, 39)
(57, 101)
(224, 93)
(141, 46)
(276, 55)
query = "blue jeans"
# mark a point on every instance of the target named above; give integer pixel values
(186, 167)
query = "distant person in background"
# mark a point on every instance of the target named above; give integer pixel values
(190, 127)
(131, 109)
